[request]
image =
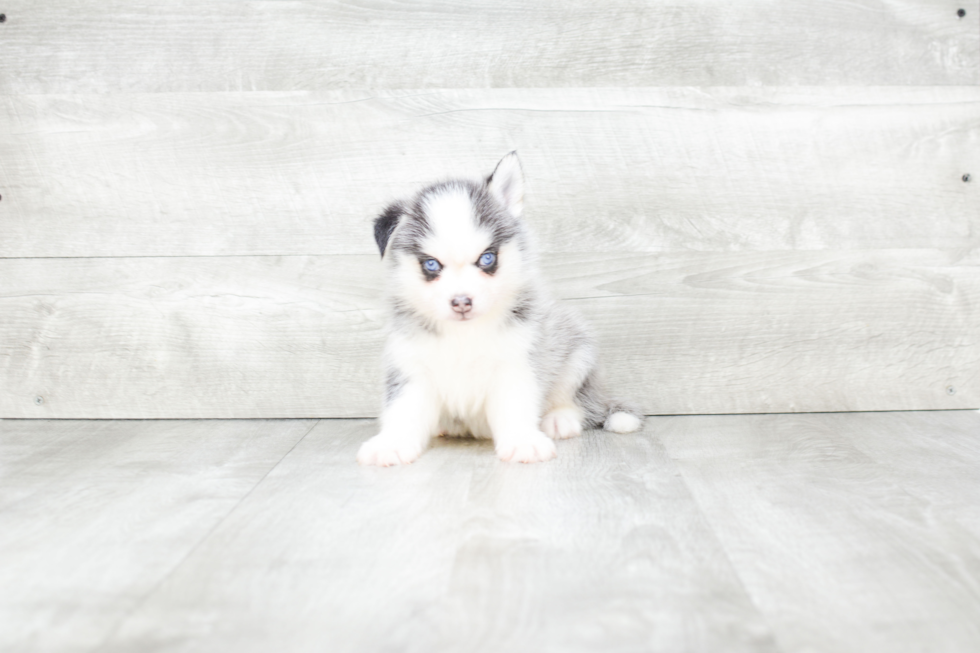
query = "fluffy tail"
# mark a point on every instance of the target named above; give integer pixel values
(611, 414)
(622, 421)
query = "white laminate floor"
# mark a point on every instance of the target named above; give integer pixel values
(811, 532)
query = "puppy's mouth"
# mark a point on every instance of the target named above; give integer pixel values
(466, 316)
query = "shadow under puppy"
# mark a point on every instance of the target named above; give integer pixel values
(476, 346)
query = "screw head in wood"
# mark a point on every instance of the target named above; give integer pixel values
(39, 400)
(3, 18)
(950, 390)
(967, 177)
(961, 12)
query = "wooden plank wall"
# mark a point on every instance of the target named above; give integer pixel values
(759, 207)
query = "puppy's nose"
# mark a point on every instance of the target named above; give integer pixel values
(461, 303)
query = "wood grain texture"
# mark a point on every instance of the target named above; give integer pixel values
(95, 515)
(63, 46)
(935, 454)
(777, 533)
(609, 170)
(199, 337)
(843, 549)
(688, 332)
(603, 550)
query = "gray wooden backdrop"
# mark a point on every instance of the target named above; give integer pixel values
(760, 207)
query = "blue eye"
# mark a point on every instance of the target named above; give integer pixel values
(431, 265)
(487, 259)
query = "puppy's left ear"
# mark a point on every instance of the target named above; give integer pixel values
(507, 184)
(385, 224)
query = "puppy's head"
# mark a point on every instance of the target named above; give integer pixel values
(456, 252)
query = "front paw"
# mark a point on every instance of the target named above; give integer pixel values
(385, 450)
(533, 447)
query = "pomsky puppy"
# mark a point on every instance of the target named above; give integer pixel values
(476, 346)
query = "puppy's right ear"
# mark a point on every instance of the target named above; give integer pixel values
(384, 224)
(507, 184)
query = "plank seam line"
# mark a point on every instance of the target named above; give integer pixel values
(796, 412)
(137, 256)
(543, 254)
(142, 600)
(721, 546)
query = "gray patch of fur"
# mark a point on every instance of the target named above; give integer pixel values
(565, 347)
(394, 382)
(414, 227)
(598, 405)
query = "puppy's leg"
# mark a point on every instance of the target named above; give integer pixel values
(512, 411)
(407, 423)
(565, 417)
(563, 422)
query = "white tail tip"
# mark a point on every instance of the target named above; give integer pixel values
(622, 423)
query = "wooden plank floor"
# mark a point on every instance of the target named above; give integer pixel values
(807, 532)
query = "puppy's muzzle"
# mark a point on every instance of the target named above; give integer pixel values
(462, 304)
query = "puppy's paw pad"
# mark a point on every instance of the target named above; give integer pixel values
(622, 423)
(533, 448)
(561, 424)
(386, 451)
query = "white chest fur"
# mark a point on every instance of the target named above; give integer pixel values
(462, 365)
